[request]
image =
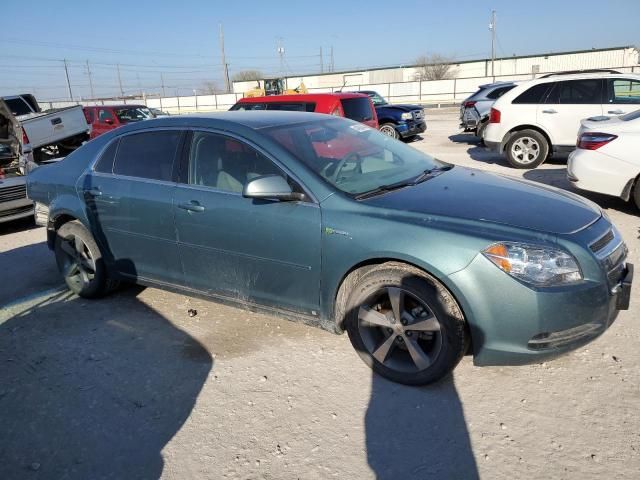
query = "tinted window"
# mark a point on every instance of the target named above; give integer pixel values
(105, 163)
(624, 91)
(534, 94)
(498, 92)
(128, 115)
(358, 109)
(104, 114)
(18, 106)
(225, 163)
(249, 106)
(89, 114)
(292, 107)
(577, 92)
(147, 155)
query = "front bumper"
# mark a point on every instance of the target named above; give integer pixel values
(410, 129)
(514, 324)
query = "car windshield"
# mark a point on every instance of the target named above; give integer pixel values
(377, 99)
(134, 114)
(353, 157)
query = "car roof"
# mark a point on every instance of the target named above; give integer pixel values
(303, 97)
(121, 105)
(580, 76)
(254, 119)
(497, 84)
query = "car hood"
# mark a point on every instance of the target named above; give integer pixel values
(404, 108)
(475, 195)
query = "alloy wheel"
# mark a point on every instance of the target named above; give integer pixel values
(525, 150)
(389, 131)
(78, 265)
(399, 330)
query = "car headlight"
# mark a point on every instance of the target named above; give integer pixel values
(406, 116)
(535, 264)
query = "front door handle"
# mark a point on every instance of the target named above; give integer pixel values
(94, 192)
(191, 206)
(616, 112)
(549, 110)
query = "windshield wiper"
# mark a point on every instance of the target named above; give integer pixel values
(427, 174)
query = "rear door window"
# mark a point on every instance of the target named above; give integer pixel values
(292, 107)
(148, 155)
(89, 115)
(358, 109)
(105, 162)
(249, 106)
(533, 95)
(577, 92)
(622, 90)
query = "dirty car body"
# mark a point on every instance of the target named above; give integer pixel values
(418, 260)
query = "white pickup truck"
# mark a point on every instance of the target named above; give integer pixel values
(61, 129)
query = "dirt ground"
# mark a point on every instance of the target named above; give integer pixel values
(133, 387)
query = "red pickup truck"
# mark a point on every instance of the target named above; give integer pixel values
(104, 118)
(354, 106)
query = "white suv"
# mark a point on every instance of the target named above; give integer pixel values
(541, 117)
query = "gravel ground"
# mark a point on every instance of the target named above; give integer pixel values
(133, 387)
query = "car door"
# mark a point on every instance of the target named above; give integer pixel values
(261, 251)
(622, 96)
(104, 122)
(568, 102)
(129, 195)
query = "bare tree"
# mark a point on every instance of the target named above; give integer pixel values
(247, 75)
(210, 87)
(434, 67)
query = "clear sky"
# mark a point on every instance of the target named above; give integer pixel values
(179, 39)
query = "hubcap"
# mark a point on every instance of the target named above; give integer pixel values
(399, 330)
(78, 265)
(389, 131)
(525, 150)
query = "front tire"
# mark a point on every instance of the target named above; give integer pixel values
(527, 149)
(636, 193)
(80, 261)
(405, 328)
(389, 130)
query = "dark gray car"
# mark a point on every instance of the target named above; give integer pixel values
(474, 110)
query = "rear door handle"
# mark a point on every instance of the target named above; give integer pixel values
(549, 110)
(191, 206)
(616, 112)
(94, 192)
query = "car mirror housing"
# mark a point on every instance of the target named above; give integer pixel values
(271, 187)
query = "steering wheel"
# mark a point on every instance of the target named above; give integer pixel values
(343, 162)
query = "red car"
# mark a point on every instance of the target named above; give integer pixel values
(104, 118)
(355, 106)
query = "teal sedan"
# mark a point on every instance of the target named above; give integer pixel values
(326, 221)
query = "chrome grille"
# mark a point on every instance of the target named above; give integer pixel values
(418, 114)
(15, 192)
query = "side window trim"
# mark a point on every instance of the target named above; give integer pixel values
(103, 151)
(183, 179)
(610, 91)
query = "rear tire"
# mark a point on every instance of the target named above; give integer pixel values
(527, 149)
(636, 193)
(80, 261)
(389, 130)
(404, 327)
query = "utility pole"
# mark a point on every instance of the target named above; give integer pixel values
(280, 50)
(66, 72)
(225, 66)
(332, 66)
(120, 81)
(492, 27)
(321, 61)
(164, 94)
(93, 95)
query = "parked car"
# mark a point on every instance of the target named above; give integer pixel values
(541, 117)
(606, 158)
(474, 110)
(62, 129)
(420, 261)
(397, 121)
(157, 113)
(349, 105)
(104, 118)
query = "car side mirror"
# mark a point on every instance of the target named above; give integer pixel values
(271, 187)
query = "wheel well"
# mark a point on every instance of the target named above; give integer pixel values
(527, 127)
(54, 225)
